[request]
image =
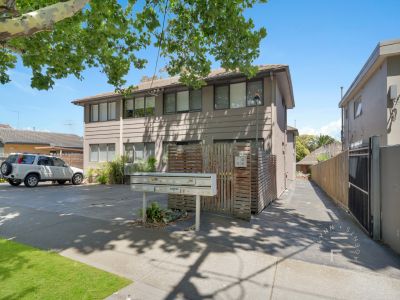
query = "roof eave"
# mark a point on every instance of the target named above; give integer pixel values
(377, 57)
(110, 96)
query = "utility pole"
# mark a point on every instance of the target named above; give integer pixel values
(342, 131)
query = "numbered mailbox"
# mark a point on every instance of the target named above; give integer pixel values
(175, 183)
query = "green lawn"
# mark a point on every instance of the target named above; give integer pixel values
(30, 273)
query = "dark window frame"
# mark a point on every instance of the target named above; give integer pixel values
(176, 102)
(98, 112)
(134, 116)
(247, 91)
(229, 94)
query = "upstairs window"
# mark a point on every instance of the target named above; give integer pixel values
(195, 100)
(222, 97)
(255, 93)
(139, 107)
(105, 111)
(182, 101)
(128, 109)
(357, 108)
(169, 103)
(94, 113)
(112, 110)
(237, 95)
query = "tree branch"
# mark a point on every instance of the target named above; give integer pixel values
(39, 20)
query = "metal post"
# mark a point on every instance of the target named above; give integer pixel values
(144, 207)
(197, 212)
(256, 122)
(375, 188)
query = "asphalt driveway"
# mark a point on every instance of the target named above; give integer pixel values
(115, 203)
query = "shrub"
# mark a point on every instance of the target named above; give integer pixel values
(148, 165)
(102, 176)
(156, 214)
(115, 170)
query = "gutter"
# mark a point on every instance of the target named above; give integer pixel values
(112, 96)
(374, 60)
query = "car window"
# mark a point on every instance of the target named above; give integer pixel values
(12, 159)
(58, 162)
(45, 161)
(26, 159)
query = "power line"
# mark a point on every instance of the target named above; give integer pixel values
(160, 42)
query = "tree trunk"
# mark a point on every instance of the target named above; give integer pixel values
(39, 20)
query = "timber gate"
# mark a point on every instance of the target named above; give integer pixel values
(359, 185)
(240, 190)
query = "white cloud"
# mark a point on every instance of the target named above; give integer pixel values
(332, 128)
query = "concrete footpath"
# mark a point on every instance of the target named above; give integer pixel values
(302, 246)
(183, 266)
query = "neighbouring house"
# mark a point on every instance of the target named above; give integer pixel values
(370, 106)
(67, 146)
(324, 152)
(165, 112)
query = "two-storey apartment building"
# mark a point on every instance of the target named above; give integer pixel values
(370, 106)
(229, 108)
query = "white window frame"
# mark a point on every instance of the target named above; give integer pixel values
(357, 104)
(108, 157)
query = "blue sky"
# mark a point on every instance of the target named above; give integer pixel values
(325, 44)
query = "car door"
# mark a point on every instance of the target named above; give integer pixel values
(45, 165)
(62, 169)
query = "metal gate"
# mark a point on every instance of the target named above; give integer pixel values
(359, 185)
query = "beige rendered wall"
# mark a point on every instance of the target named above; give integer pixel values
(373, 119)
(279, 139)
(206, 126)
(390, 195)
(393, 78)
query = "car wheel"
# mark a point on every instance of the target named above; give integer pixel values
(6, 168)
(31, 180)
(61, 182)
(77, 179)
(14, 182)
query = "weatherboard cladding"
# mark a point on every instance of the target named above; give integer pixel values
(14, 136)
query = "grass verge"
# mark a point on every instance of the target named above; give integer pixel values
(30, 273)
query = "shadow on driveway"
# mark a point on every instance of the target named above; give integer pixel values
(298, 226)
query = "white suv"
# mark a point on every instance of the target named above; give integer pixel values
(32, 168)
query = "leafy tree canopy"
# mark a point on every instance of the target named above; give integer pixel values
(59, 38)
(301, 150)
(307, 143)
